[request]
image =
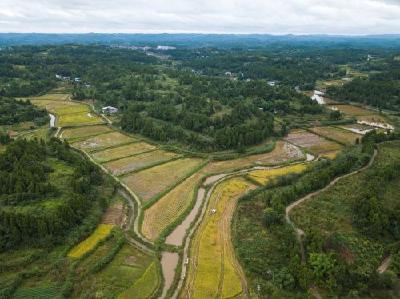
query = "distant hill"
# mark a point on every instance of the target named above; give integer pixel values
(204, 40)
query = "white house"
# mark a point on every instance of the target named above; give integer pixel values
(109, 110)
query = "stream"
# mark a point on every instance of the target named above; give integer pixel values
(52, 120)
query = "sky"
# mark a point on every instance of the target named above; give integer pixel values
(348, 17)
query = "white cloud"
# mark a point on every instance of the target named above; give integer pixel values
(219, 16)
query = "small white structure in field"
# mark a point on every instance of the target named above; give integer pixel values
(271, 83)
(77, 79)
(187, 261)
(59, 76)
(318, 97)
(109, 110)
(213, 211)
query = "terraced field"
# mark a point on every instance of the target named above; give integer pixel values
(130, 272)
(168, 208)
(134, 163)
(165, 176)
(264, 176)
(101, 232)
(312, 142)
(213, 269)
(351, 110)
(122, 151)
(337, 134)
(103, 141)
(84, 132)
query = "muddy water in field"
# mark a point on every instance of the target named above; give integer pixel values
(212, 179)
(177, 236)
(169, 262)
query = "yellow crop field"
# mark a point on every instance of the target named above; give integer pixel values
(213, 269)
(76, 119)
(86, 131)
(129, 164)
(53, 106)
(123, 151)
(101, 232)
(71, 109)
(282, 152)
(337, 134)
(264, 176)
(103, 141)
(166, 210)
(152, 181)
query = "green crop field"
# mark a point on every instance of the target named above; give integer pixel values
(133, 163)
(122, 151)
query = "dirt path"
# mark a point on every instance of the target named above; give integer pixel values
(300, 233)
(384, 265)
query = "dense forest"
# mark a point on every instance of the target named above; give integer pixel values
(46, 190)
(206, 98)
(380, 89)
(15, 111)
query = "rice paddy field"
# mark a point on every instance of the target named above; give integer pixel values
(103, 141)
(152, 181)
(169, 207)
(77, 119)
(134, 163)
(213, 269)
(122, 151)
(264, 176)
(337, 134)
(52, 97)
(312, 142)
(282, 152)
(101, 232)
(86, 131)
(131, 274)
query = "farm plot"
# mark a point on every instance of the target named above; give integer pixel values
(101, 232)
(375, 120)
(72, 109)
(53, 106)
(166, 210)
(152, 181)
(82, 132)
(131, 273)
(52, 97)
(263, 176)
(351, 110)
(213, 270)
(123, 151)
(282, 152)
(78, 119)
(103, 141)
(312, 142)
(357, 128)
(337, 134)
(133, 163)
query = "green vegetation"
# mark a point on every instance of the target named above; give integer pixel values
(348, 228)
(15, 111)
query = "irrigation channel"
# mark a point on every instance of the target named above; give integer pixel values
(180, 236)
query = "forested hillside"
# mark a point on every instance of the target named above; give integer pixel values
(13, 111)
(46, 190)
(349, 228)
